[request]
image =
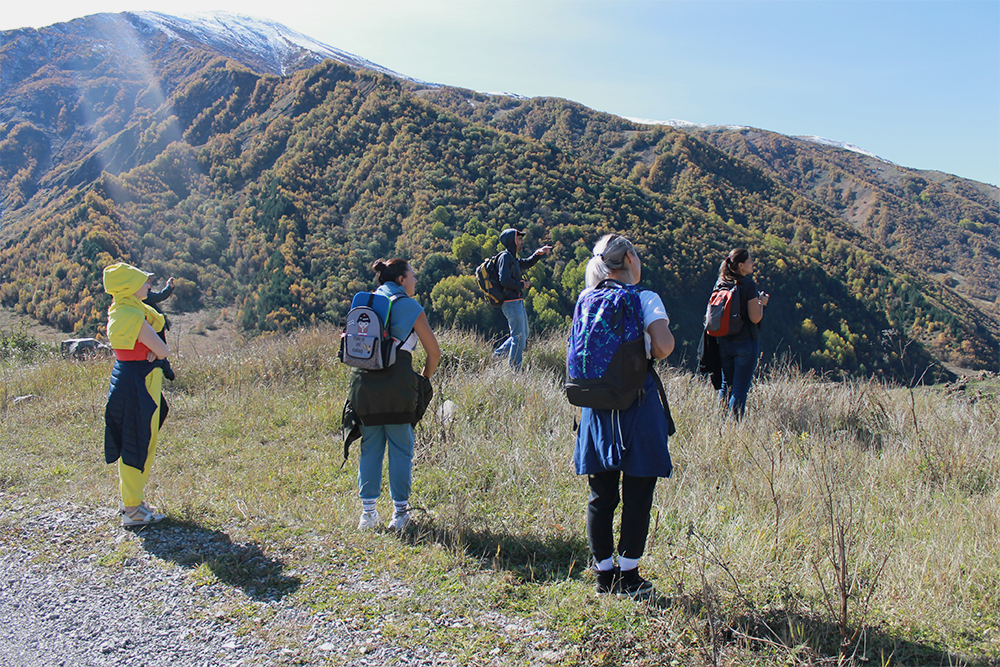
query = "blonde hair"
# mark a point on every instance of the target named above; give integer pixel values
(609, 255)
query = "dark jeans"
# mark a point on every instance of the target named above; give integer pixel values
(637, 497)
(739, 361)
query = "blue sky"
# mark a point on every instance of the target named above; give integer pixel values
(917, 83)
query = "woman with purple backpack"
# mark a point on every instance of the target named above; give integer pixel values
(624, 449)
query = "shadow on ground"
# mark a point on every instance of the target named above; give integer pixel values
(243, 566)
(529, 557)
(784, 635)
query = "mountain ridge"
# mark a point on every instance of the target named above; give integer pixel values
(274, 192)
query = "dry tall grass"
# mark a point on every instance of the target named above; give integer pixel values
(836, 522)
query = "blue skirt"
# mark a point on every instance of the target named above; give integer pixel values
(633, 441)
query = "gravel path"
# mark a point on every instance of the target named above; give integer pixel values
(78, 591)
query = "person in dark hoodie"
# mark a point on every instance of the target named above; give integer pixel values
(511, 269)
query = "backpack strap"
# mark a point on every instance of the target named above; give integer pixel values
(388, 318)
(671, 429)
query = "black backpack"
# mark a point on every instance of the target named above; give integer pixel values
(488, 279)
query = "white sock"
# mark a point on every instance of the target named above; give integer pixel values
(401, 507)
(627, 564)
(606, 564)
(368, 505)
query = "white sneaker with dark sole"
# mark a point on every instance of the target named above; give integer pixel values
(399, 521)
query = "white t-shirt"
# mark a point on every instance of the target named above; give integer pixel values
(652, 310)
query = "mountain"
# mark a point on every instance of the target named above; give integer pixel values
(950, 225)
(267, 171)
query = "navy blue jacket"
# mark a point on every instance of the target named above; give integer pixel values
(129, 412)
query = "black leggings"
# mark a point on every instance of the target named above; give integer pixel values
(637, 496)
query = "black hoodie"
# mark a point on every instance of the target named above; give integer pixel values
(511, 267)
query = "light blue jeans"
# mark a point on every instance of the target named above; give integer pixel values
(517, 320)
(399, 438)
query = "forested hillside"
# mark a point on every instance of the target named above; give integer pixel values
(272, 195)
(950, 225)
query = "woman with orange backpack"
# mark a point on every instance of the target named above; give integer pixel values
(738, 352)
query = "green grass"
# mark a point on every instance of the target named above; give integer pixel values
(745, 542)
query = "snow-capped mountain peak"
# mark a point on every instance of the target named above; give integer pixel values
(278, 48)
(683, 124)
(668, 123)
(841, 144)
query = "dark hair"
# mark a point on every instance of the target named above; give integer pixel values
(728, 270)
(390, 270)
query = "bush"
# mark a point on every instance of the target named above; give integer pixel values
(18, 344)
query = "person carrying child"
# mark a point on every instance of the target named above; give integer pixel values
(133, 415)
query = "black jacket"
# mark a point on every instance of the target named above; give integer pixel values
(511, 268)
(153, 298)
(395, 395)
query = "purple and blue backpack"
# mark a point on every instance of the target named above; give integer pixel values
(606, 361)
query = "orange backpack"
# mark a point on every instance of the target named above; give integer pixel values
(722, 316)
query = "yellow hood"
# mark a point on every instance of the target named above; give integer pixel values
(127, 311)
(124, 279)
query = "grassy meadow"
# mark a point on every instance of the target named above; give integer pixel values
(838, 523)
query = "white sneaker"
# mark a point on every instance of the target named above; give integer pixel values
(142, 515)
(369, 520)
(399, 521)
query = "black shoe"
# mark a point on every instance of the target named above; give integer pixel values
(634, 586)
(608, 581)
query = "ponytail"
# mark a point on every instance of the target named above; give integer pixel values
(609, 255)
(390, 270)
(728, 271)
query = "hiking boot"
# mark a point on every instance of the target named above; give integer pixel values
(608, 581)
(369, 520)
(399, 520)
(634, 586)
